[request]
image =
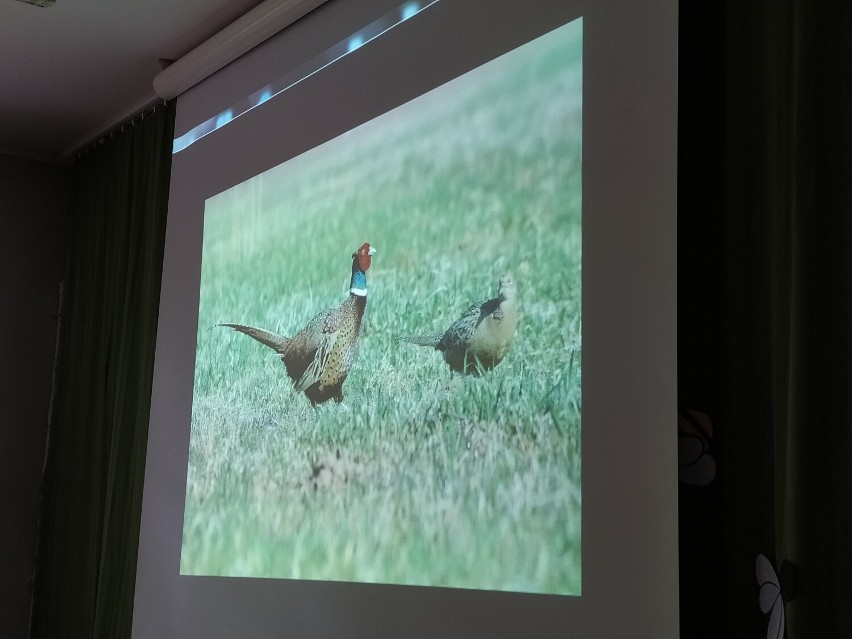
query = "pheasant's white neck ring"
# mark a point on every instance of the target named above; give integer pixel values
(360, 292)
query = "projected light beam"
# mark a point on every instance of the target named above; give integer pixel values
(328, 57)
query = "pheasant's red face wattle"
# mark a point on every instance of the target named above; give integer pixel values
(364, 255)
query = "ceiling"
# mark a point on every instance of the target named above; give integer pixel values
(72, 71)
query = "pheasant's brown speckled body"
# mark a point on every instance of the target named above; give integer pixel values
(482, 336)
(319, 357)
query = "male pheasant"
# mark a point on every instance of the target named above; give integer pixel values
(481, 337)
(319, 357)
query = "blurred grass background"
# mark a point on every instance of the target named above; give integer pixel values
(422, 476)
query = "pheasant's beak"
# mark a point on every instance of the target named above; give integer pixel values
(372, 251)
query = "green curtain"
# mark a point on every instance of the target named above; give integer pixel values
(765, 303)
(812, 320)
(92, 487)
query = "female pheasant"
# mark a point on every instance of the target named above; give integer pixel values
(319, 357)
(481, 337)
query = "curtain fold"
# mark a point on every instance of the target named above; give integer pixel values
(813, 454)
(789, 169)
(779, 386)
(92, 486)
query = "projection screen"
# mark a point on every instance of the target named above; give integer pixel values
(512, 170)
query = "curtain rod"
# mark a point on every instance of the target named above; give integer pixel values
(118, 129)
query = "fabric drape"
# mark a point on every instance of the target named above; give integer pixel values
(92, 486)
(812, 320)
(766, 259)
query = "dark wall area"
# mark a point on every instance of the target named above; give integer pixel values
(35, 206)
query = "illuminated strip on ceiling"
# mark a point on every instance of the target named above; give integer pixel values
(331, 55)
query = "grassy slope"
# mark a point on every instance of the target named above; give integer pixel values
(449, 480)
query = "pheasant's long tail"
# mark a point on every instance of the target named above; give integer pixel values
(276, 342)
(423, 340)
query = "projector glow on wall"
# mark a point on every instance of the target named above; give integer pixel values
(343, 48)
(422, 476)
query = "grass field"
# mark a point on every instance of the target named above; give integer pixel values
(422, 476)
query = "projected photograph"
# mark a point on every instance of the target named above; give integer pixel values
(388, 362)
